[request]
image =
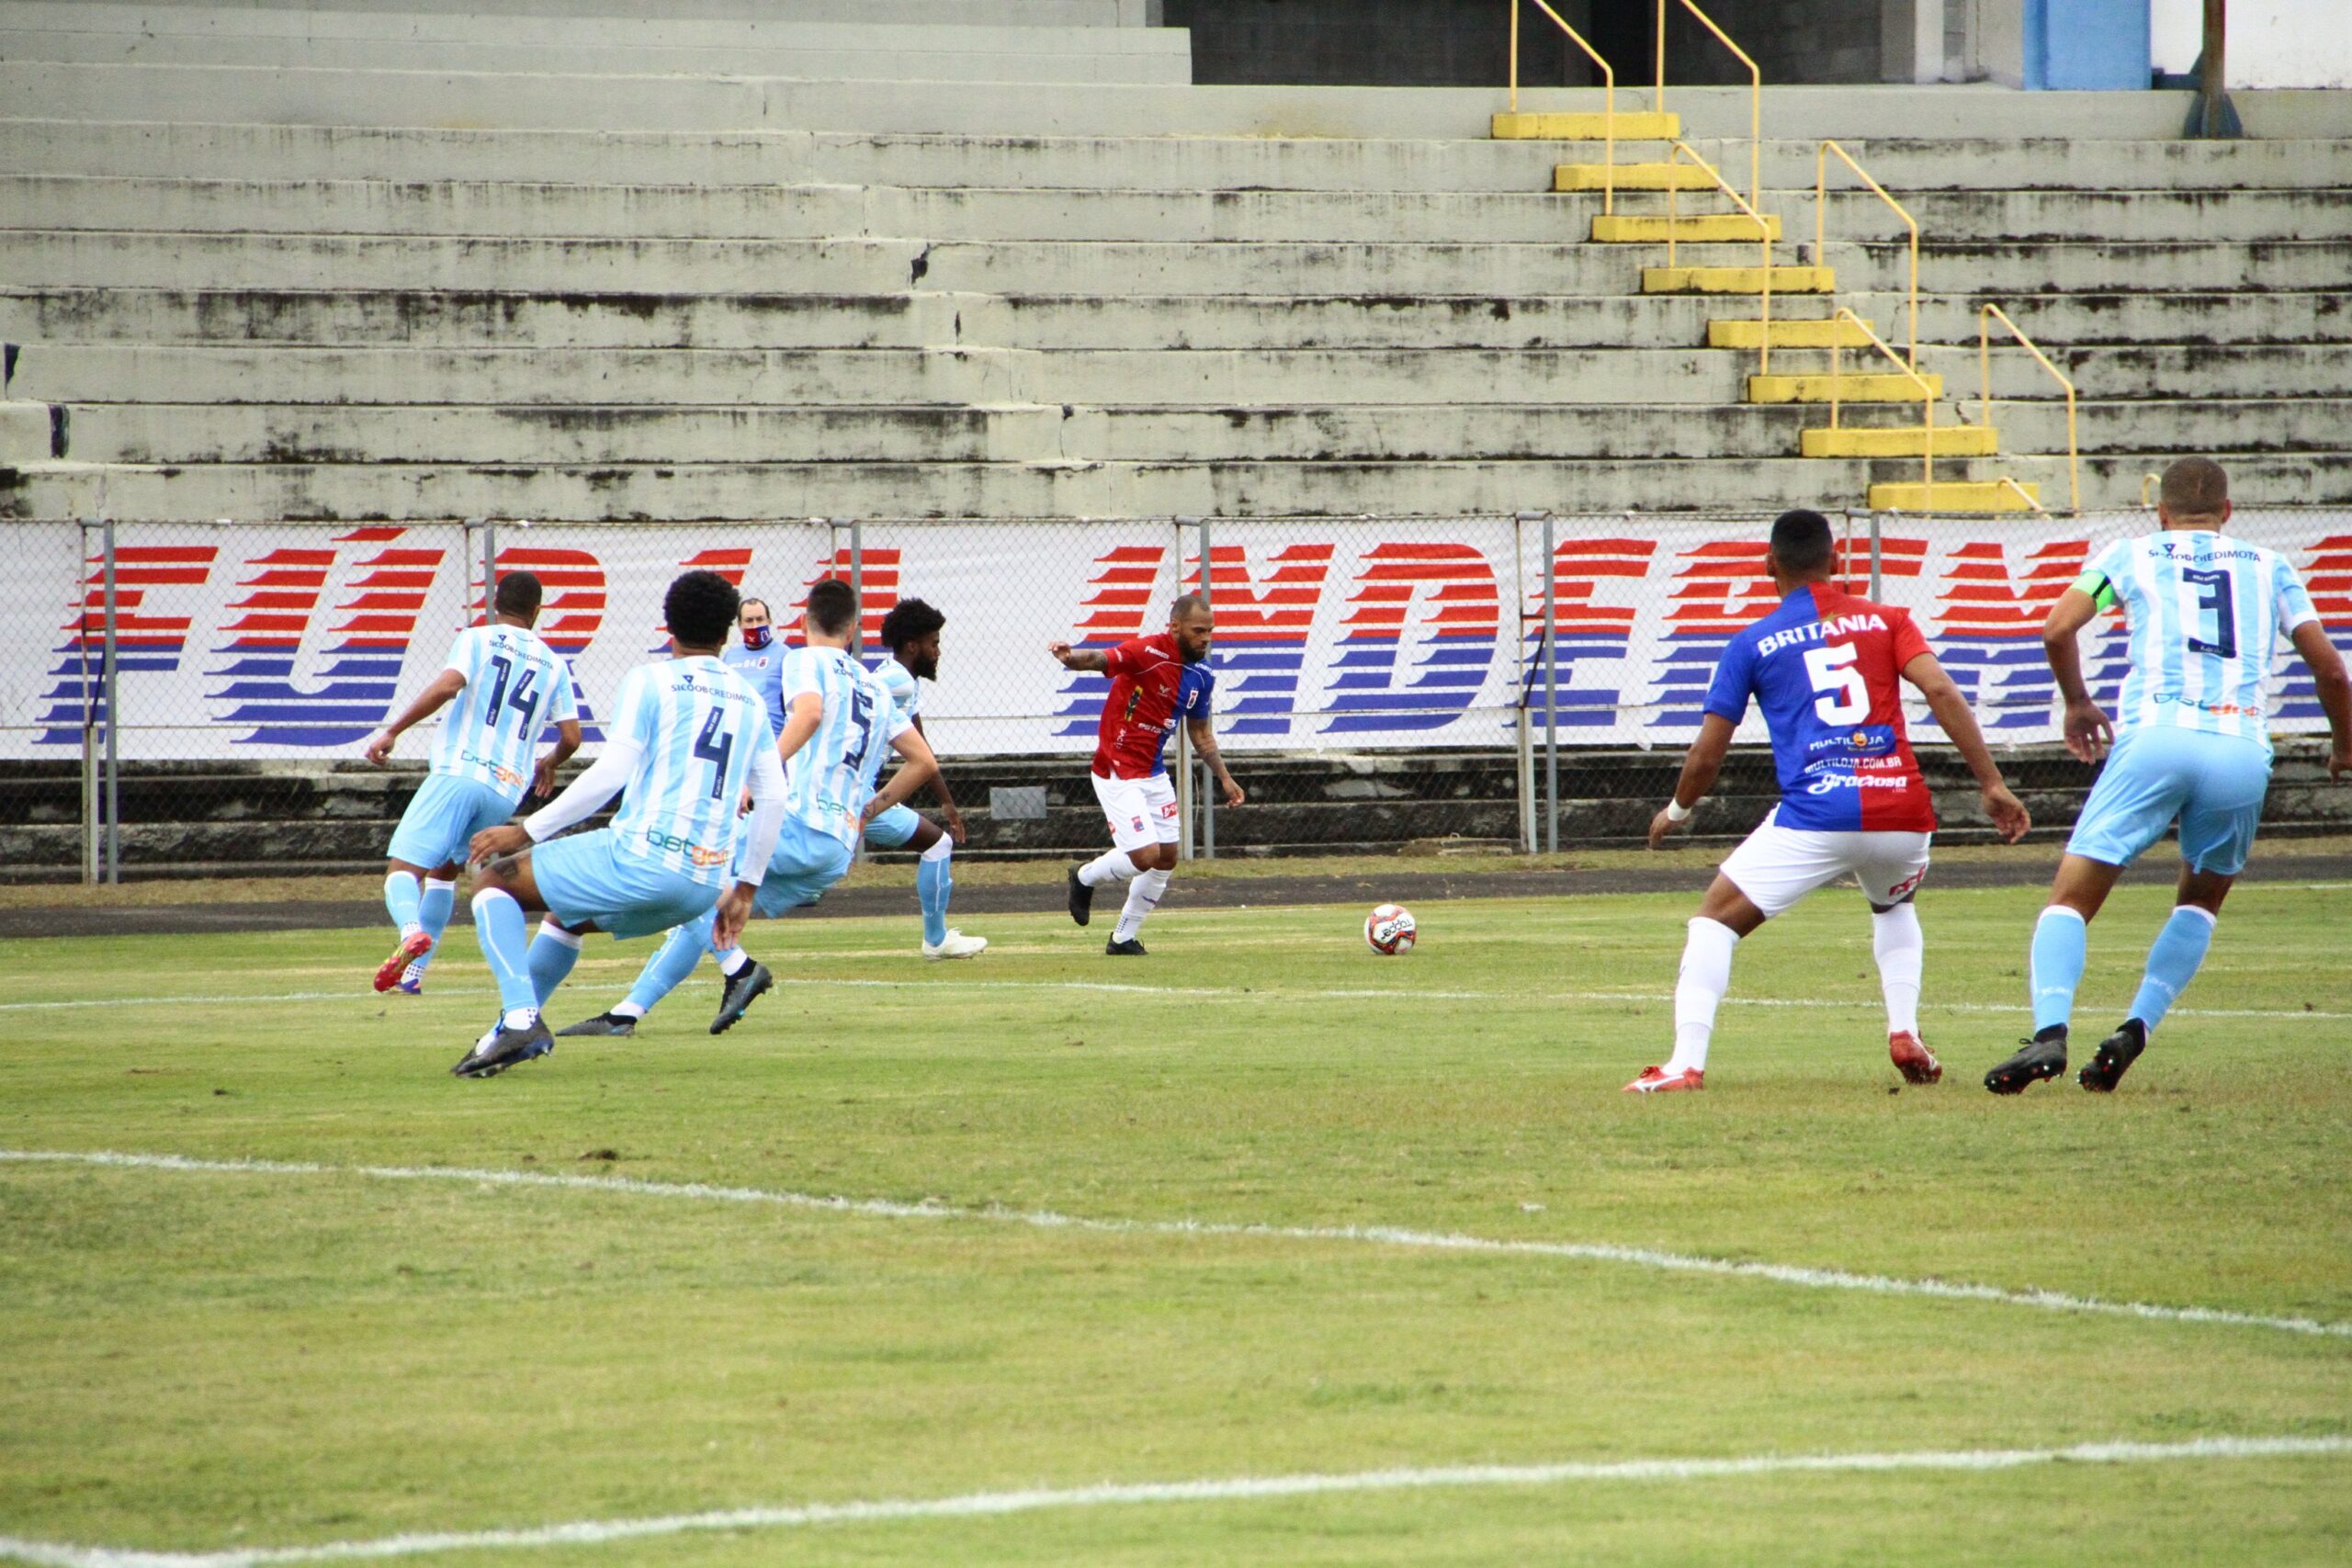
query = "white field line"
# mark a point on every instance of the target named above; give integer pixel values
(963, 989)
(1232, 1489)
(1390, 1236)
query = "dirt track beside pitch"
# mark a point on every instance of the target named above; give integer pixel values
(1378, 882)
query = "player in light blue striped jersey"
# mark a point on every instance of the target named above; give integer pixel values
(911, 631)
(688, 738)
(2191, 740)
(838, 720)
(503, 687)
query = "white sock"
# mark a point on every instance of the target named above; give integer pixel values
(1143, 897)
(731, 962)
(628, 1009)
(519, 1018)
(1706, 975)
(549, 932)
(1902, 952)
(1112, 866)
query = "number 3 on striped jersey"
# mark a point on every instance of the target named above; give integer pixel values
(2204, 593)
(1844, 698)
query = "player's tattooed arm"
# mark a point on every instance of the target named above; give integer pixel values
(430, 701)
(1087, 659)
(1203, 735)
(566, 741)
(2088, 731)
(1959, 721)
(1699, 766)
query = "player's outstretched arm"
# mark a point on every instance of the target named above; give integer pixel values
(430, 701)
(1699, 766)
(581, 799)
(2334, 693)
(2010, 818)
(566, 741)
(1203, 735)
(1092, 660)
(918, 766)
(765, 788)
(2088, 732)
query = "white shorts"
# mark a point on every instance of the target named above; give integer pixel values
(1142, 812)
(1775, 866)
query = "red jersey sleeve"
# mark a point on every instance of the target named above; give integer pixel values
(1910, 642)
(1120, 657)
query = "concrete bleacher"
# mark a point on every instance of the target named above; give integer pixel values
(916, 257)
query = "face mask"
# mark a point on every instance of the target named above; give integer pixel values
(758, 637)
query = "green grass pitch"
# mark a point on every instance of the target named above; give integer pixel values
(223, 1362)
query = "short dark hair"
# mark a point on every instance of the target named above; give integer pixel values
(1186, 603)
(751, 599)
(909, 620)
(700, 608)
(2195, 487)
(518, 593)
(833, 605)
(1802, 541)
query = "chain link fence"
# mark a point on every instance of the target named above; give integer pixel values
(191, 696)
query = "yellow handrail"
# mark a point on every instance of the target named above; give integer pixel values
(1763, 233)
(1820, 225)
(1985, 365)
(2145, 480)
(2023, 494)
(1926, 398)
(1755, 93)
(1608, 97)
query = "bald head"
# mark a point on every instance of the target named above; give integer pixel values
(2195, 494)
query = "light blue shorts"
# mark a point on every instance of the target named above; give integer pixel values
(444, 818)
(806, 862)
(585, 877)
(893, 827)
(2214, 784)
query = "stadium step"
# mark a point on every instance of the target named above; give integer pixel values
(1956, 495)
(1711, 229)
(1633, 125)
(1872, 387)
(1832, 332)
(1902, 441)
(1737, 279)
(1631, 177)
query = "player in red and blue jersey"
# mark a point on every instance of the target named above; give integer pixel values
(1156, 682)
(1824, 668)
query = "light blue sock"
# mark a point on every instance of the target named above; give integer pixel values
(934, 880)
(499, 928)
(671, 962)
(432, 912)
(2179, 948)
(400, 899)
(553, 952)
(2061, 944)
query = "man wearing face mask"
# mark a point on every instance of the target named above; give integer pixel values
(759, 661)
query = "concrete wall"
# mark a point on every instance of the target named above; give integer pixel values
(2272, 43)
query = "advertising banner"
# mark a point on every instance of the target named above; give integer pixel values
(294, 641)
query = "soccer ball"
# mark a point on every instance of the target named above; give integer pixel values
(1389, 930)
